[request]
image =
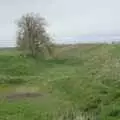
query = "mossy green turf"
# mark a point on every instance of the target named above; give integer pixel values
(87, 80)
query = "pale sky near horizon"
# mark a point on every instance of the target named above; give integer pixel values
(66, 18)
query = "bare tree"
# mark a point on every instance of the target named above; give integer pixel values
(32, 37)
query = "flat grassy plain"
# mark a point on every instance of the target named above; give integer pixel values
(82, 80)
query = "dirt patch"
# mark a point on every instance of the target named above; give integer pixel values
(21, 92)
(23, 95)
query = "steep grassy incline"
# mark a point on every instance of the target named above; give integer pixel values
(93, 82)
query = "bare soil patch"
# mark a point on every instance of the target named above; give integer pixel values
(18, 96)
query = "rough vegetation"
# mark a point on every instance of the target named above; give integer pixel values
(83, 81)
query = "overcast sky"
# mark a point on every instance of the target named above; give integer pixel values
(66, 18)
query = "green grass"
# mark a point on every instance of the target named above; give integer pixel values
(82, 79)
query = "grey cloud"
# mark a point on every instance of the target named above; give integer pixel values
(66, 18)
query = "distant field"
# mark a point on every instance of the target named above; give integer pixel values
(82, 80)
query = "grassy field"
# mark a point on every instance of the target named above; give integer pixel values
(82, 81)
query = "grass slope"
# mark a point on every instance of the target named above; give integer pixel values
(82, 79)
